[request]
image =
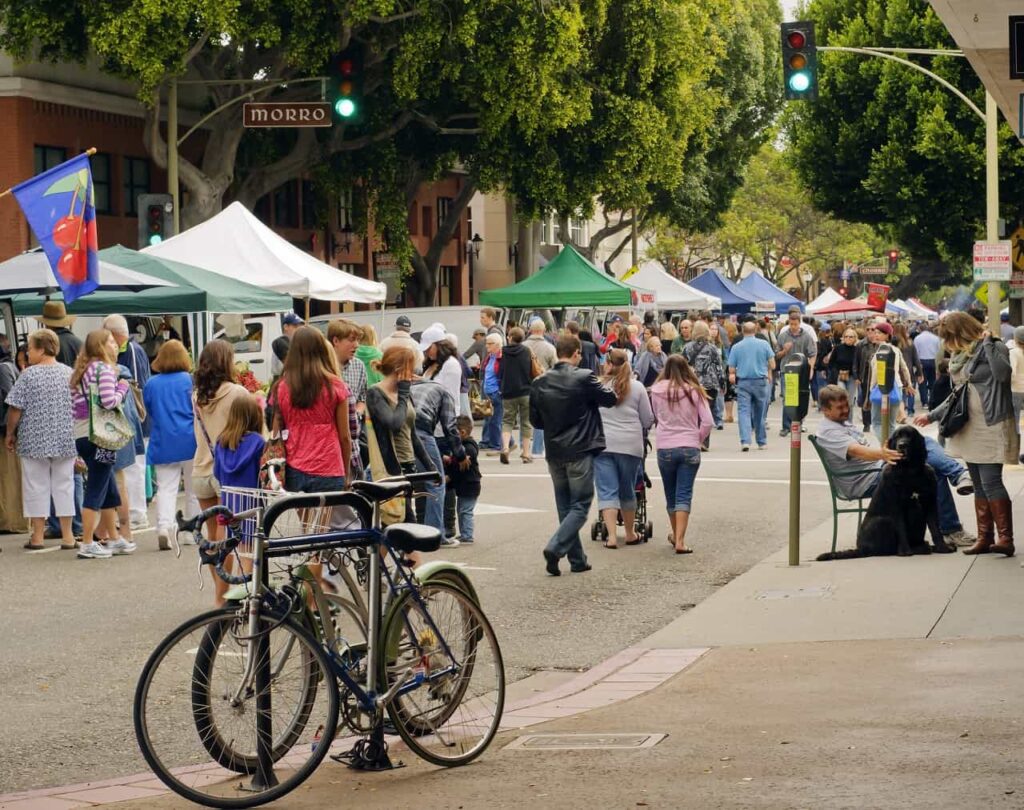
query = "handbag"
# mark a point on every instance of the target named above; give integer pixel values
(957, 404)
(274, 452)
(535, 367)
(109, 428)
(480, 406)
(392, 511)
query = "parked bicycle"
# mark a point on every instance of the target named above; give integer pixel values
(237, 706)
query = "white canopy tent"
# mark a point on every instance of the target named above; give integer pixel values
(670, 292)
(234, 243)
(31, 273)
(824, 301)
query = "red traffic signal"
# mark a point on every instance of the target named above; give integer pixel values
(843, 291)
(894, 260)
(796, 39)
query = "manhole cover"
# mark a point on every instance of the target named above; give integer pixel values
(569, 742)
(820, 592)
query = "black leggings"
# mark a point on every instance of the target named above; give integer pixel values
(988, 481)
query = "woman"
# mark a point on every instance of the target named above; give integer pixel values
(213, 391)
(718, 403)
(1017, 374)
(390, 413)
(39, 425)
(684, 422)
(989, 438)
(368, 351)
(172, 438)
(97, 365)
(441, 363)
(705, 359)
(841, 363)
(650, 363)
(730, 389)
(623, 341)
(668, 334)
(312, 405)
(490, 384)
(825, 349)
(618, 466)
(913, 364)
(516, 376)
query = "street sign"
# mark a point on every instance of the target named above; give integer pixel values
(844, 274)
(873, 270)
(992, 260)
(280, 114)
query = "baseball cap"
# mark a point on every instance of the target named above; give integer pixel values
(1004, 316)
(615, 319)
(432, 335)
(403, 322)
(291, 319)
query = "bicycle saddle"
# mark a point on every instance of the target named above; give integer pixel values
(382, 490)
(412, 537)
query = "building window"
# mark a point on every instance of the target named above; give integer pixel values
(262, 210)
(286, 205)
(578, 231)
(135, 181)
(345, 209)
(413, 222)
(556, 230)
(46, 157)
(101, 184)
(308, 205)
(444, 205)
(545, 229)
(427, 219)
(444, 287)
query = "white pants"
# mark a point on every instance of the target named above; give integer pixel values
(135, 488)
(167, 478)
(45, 478)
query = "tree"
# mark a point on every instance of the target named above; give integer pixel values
(890, 147)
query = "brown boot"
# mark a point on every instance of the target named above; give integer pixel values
(986, 529)
(1002, 514)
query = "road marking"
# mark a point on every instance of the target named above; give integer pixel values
(497, 509)
(468, 567)
(42, 550)
(700, 479)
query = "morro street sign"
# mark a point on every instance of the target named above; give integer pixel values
(286, 114)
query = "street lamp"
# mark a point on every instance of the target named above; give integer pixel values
(808, 278)
(346, 240)
(473, 247)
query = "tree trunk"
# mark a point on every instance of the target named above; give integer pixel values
(526, 261)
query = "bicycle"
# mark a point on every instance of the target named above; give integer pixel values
(238, 706)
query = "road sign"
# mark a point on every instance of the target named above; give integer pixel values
(873, 270)
(844, 274)
(992, 260)
(280, 114)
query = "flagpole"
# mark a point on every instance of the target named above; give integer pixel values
(89, 152)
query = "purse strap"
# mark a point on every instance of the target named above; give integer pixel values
(202, 425)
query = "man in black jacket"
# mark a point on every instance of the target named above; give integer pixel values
(564, 403)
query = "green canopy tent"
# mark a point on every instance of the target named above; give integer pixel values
(568, 280)
(192, 290)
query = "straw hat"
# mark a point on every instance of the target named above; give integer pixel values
(55, 315)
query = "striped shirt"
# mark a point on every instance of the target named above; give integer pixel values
(111, 390)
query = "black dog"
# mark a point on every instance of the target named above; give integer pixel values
(902, 508)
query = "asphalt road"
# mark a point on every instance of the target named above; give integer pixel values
(75, 633)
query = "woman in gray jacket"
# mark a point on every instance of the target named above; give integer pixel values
(989, 439)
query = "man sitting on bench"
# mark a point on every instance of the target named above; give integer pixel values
(848, 452)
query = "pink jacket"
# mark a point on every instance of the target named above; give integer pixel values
(684, 423)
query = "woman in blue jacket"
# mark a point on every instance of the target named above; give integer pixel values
(172, 441)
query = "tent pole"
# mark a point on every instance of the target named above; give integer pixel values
(306, 299)
(383, 306)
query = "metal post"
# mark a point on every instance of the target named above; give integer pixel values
(633, 242)
(992, 200)
(794, 493)
(172, 151)
(886, 407)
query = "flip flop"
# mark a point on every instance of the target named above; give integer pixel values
(636, 542)
(684, 551)
(611, 547)
(33, 547)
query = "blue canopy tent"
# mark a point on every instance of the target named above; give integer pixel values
(734, 298)
(763, 290)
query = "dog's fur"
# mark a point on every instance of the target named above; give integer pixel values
(902, 508)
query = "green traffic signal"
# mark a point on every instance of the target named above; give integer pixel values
(345, 84)
(799, 82)
(345, 107)
(799, 61)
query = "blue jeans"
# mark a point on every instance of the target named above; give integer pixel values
(299, 481)
(615, 475)
(876, 418)
(491, 437)
(538, 442)
(465, 506)
(574, 492)
(53, 525)
(718, 407)
(925, 388)
(947, 470)
(433, 514)
(678, 466)
(752, 395)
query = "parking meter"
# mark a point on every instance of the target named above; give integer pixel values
(885, 377)
(796, 393)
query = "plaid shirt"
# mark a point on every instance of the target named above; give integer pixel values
(354, 375)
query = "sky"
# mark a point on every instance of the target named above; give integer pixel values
(789, 10)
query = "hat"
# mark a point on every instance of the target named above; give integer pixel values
(403, 322)
(291, 319)
(615, 319)
(884, 326)
(56, 314)
(432, 335)
(1004, 316)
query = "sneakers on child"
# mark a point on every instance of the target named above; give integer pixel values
(94, 551)
(121, 546)
(449, 542)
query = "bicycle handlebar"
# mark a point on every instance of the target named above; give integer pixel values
(213, 552)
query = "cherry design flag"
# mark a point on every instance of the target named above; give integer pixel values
(60, 207)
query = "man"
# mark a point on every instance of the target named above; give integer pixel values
(927, 345)
(344, 337)
(477, 349)
(133, 357)
(489, 321)
(402, 337)
(685, 332)
(279, 348)
(590, 360)
(1005, 330)
(808, 328)
(564, 404)
(750, 363)
(861, 465)
(544, 353)
(56, 317)
(794, 339)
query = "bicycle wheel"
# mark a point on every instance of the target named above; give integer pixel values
(348, 624)
(445, 655)
(196, 709)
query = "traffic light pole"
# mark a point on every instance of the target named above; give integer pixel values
(991, 118)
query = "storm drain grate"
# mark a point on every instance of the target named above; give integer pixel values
(576, 742)
(819, 592)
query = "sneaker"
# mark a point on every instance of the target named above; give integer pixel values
(94, 551)
(163, 540)
(963, 484)
(121, 546)
(719, 427)
(783, 433)
(139, 524)
(744, 448)
(449, 542)
(762, 447)
(466, 541)
(960, 538)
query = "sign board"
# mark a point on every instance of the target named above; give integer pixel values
(992, 260)
(1017, 46)
(844, 274)
(1017, 284)
(873, 270)
(642, 299)
(764, 306)
(878, 294)
(286, 114)
(1017, 274)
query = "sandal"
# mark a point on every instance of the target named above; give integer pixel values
(686, 550)
(32, 546)
(635, 542)
(607, 545)
(72, 547)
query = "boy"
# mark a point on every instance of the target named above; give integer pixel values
(465, 478)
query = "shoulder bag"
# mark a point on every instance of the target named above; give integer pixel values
(133, 384)
(956, 414)
(392, 511)
(274, 453)
(109, 428)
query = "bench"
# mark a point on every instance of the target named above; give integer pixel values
(837, 496)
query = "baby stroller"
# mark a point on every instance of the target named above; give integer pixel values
(643, 527)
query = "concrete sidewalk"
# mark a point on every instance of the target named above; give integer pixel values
(886, 682)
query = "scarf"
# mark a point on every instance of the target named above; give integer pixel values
(960, 359)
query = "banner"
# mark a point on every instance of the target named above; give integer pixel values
(60, 207)
(878, 294)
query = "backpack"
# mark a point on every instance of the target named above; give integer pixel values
(8, 374)
(703, 362)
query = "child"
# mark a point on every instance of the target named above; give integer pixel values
(465, 478)
(236, 463)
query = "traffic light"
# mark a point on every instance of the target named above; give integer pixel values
(799, 61)
(345, 80)
(156, 218)
(894, 260)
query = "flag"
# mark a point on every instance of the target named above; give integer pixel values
(60, 207)
(632, 271)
